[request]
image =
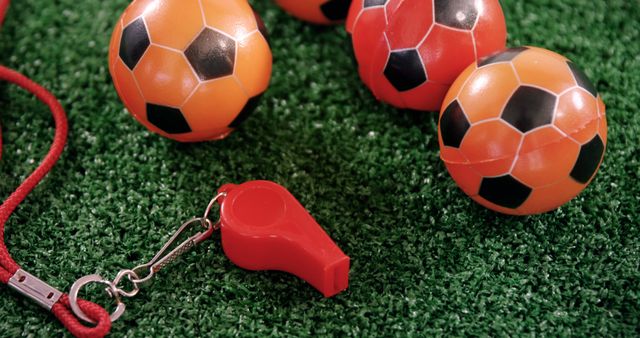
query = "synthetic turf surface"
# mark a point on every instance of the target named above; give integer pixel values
(426, 259)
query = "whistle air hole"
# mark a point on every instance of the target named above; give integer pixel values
(259, 207)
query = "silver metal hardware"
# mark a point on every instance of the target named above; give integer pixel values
(73, 298)
(213, 201)
(145, 272)
(34, 288)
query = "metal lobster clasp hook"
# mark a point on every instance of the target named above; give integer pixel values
(144, 272)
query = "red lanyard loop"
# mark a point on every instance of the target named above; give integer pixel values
(9, 269)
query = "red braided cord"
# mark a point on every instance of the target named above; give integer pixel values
(61, 309)
(4, 4)
(8, 266)
(10, 204)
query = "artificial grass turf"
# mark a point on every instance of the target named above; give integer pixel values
(425, 258)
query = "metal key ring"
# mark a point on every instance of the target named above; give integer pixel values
(73, 297)
(206, 223)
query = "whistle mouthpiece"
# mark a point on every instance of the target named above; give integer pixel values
(265, 228)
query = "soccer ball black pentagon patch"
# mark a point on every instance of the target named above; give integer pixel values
(582, 80)
(168, 119)
(374, 3)
(529, 108)
(212, 54)
(453, 125)
(504, 191)
(134, 43)
(261, 27)
(248, 109)
(504, 56)
(404, 70)
(335, 10)
(460, 14)
(588, 160)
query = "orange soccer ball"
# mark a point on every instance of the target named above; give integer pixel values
(322, 12)
(523, 131)
(190, 70)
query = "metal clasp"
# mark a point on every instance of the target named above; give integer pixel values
(144, 272)
(162, 258)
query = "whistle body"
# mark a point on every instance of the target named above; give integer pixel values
(265, 228)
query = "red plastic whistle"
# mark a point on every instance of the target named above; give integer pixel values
(265, 228)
